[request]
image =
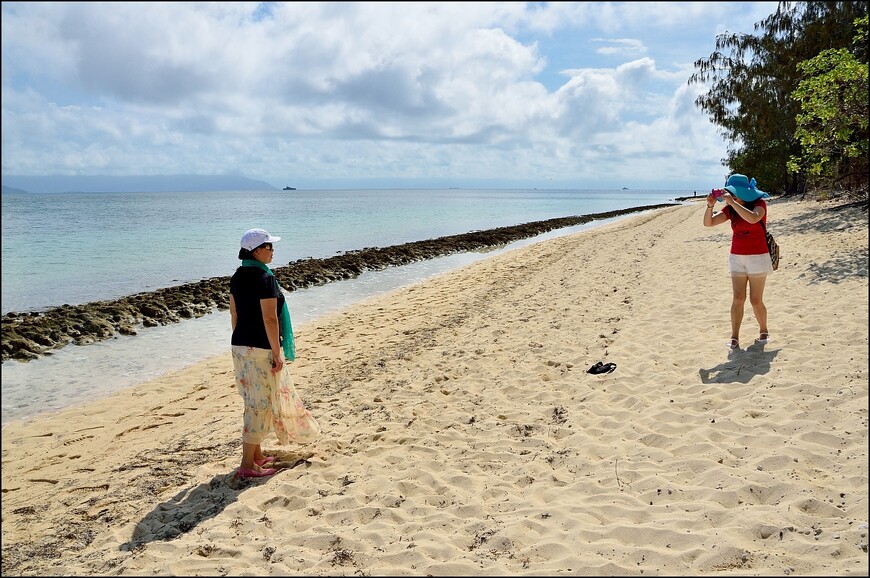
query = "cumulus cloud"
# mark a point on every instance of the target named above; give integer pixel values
(356, 90)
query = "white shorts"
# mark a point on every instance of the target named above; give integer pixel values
(750, 265)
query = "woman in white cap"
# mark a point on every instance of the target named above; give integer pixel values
(749, 259)
(262, 343)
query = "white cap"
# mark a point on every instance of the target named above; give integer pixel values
(253, 238)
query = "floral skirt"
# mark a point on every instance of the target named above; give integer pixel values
(271, 401)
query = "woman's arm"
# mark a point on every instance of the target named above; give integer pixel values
(234, 317)
(269, 307)
(749, 215)
(711, 220)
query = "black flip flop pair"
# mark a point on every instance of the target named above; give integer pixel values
(599, 368)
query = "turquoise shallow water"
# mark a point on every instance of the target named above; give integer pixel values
(80, 248)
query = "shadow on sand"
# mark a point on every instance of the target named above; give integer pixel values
(192, 506)
(742, 365)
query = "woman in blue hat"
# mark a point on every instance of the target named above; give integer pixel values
(749, 259)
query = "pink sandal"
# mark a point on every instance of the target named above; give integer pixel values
(252, 473)
(265, 460)
(763, 338)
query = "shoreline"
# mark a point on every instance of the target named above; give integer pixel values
(84, 374)
(27, 335)
(463, 435)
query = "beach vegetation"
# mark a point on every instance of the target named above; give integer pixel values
(833, 118)
(753, 77)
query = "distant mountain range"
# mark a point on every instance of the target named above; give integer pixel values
(131, 184)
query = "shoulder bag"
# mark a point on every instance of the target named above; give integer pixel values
(772, 247)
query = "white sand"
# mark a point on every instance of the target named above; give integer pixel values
(462, 434)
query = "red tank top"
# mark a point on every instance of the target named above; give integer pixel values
(747, 238)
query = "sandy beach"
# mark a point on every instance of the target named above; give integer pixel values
(462, 434)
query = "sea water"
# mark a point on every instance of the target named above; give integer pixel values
(77, 248)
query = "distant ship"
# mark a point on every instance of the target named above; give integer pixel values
(624, 188)
(289, 188)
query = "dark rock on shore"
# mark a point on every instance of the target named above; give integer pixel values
(27, 335)
(695, 197)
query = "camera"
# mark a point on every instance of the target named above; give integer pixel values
(717, 193)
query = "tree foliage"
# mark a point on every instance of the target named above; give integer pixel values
(832, 123)
(752, 78)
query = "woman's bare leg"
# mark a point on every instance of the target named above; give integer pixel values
(756, 295)
(738, 301)
(248, 453)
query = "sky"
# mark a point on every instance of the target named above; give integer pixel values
(573, 95)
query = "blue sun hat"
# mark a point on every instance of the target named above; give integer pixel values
(744, 189)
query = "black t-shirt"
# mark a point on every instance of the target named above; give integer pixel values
(248, 286)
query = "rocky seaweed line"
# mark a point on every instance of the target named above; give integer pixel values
(26, 336)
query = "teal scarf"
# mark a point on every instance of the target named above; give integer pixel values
(286, 332)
